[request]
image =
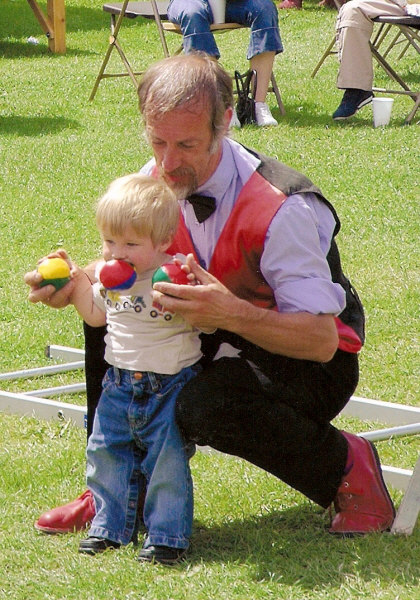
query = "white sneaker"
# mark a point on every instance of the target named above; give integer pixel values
(263, 115)
(234, 122)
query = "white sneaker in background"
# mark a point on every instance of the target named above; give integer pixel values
(263, 115)
(234, 122)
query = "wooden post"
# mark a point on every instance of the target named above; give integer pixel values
(53, 25)
(57, 16)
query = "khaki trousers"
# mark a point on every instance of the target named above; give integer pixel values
(354, 29)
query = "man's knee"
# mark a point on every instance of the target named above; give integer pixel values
(193, 13)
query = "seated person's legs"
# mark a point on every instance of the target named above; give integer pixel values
(265, 42)
(262, 18)
(354, 30)
(194, 18)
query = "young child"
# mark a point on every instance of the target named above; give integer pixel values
(135, 445)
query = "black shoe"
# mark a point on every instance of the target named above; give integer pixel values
(162, 554)
(352, 101)
(95, 545)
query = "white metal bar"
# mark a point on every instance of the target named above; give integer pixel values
(384, 434)
(64, 353)
(49, 409)
(41, 408)
(60, 389)
(48, 370)
(385, 412)
(398, 478)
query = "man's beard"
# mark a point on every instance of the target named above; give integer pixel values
(181, 190)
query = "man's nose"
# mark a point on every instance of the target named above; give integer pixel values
(170, 159)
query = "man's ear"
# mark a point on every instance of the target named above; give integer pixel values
(227, 118)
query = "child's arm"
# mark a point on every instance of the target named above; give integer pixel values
(82, 298)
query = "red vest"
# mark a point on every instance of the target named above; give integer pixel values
(237, 255)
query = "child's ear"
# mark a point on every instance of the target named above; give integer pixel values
(164, 246)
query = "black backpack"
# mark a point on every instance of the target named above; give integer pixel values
(246, 86)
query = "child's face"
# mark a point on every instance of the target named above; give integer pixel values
(133, 248)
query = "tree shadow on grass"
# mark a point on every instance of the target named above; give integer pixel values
(34, 126)
(19, 20)
(10, 49)
(294, 546)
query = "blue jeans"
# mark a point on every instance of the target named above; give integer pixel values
(195, 17)
(135, 442)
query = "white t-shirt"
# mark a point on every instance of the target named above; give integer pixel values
(142, 336)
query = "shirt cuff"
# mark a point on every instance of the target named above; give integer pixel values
(315, 296)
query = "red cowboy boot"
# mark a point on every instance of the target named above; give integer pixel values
(71, 517)
(290, 4)
(362, 502)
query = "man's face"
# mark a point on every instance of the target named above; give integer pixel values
(182, 145)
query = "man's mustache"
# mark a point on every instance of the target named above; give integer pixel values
(179, 172)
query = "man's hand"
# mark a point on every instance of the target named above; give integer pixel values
(204, 303)
(210, 305)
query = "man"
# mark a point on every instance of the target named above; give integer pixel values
(195, 17)
(354, 29)
(273, 287)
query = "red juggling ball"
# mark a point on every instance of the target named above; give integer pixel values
(171, 273)
(117, 275)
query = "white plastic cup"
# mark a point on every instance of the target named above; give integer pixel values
(218, 8)
(382, 108)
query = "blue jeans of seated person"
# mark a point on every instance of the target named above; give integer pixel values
(195, 17)
(135, 442)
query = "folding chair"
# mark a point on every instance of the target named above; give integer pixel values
(408, 28)
(157, 11)
(131, 10)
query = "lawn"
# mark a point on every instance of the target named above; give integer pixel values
(253, 537)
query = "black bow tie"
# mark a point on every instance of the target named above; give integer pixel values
(203, 206)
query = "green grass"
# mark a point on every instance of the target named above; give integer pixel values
(253, 536)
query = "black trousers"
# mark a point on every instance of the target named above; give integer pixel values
(276, 417)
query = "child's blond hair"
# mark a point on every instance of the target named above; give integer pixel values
(146, 204)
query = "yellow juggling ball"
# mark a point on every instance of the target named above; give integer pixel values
(55, 271)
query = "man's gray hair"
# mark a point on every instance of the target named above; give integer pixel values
(187, 80)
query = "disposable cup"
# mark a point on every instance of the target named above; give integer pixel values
(382, 108)
(218, 8)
